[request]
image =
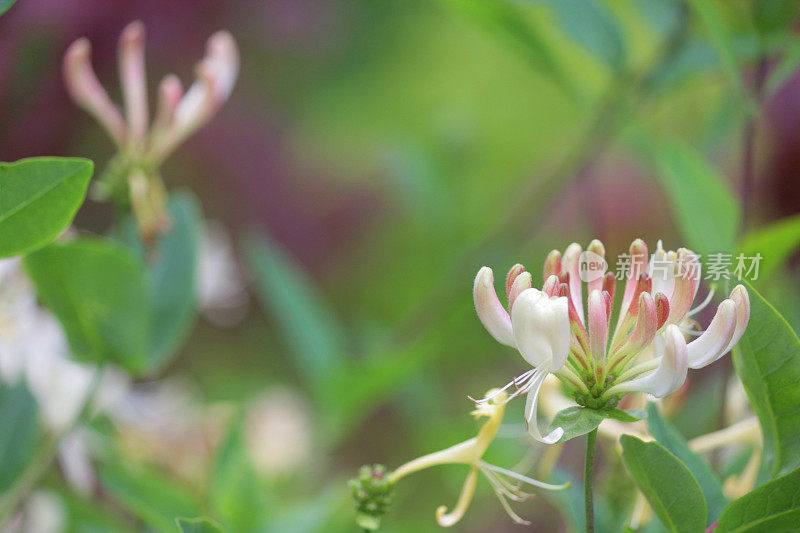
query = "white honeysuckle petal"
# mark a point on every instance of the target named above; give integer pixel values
(490, 311)
(531, 408)
(712, 344)
(741, 298)
(560, 333)
(672, 368)
(521, 282)
(571, 263)
(541, 328)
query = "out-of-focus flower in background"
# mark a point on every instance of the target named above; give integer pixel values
(42, 512)
(33, 348)
(222, 290)
(133, 175)
(279, 432)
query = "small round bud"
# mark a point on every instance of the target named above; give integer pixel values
(372, 493)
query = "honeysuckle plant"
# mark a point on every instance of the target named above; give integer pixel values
(373, 487)
(133, 176)
(599, 357)
(646, 351)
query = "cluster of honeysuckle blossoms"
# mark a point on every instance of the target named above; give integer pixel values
(647, 349)
(142, 147)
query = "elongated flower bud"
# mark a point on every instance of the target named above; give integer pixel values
(490, 311)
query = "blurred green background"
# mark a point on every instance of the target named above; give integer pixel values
(373, 156)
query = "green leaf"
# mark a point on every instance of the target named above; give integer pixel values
(705, 209)
(508, 21)
(18, 431)
(150, 496)
(775, 243)
(591, 24)
(234, 494)
(5, 5)
(171, 270)
(669, 486)
(308, 325)
(668, 436)
(767, 360)
(198, 525)
(774, 506)
(97, 290)
(577, 421)
(774, 15)
(721, 39)
(38, 199)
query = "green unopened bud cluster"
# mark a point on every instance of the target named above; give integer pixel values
(372, 492)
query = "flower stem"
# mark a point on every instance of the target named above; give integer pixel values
(587, 480)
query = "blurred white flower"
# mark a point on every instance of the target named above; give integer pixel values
(161, 422)
(278, 432)
(42, 512)
(221, 289)
(33, 348)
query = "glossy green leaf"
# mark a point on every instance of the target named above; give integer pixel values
(775, 243)
(171, 269)
(773, 507)
(97, 290)
(705, 209)
(150, 496)
(669, 486)
(198, 525)
(38, 200)
(577, 421)
(18, 431)
(309, 326)
(666, 435)
(767, 360)
(5, 5)
(591, 24)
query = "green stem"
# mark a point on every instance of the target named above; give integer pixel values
(587, 480)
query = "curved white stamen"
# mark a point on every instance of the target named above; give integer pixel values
(704, 304)
(690, 331)
(531, 408)
(522, 378)
(524, 479)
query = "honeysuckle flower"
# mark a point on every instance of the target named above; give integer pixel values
(537, 324)
(505, 483)
(142, 147)
(647, 350)
(221, 287)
